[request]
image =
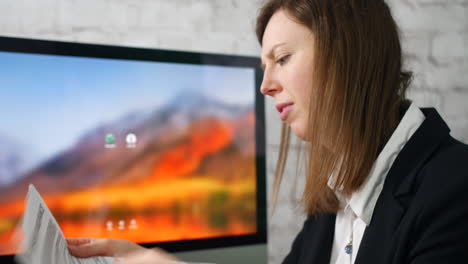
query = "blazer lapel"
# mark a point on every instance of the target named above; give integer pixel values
(399, 186)
(319, 239)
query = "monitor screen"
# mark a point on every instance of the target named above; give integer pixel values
(158, 147)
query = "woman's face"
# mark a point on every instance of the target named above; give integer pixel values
(287, 60)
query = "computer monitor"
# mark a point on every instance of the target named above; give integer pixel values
(164, 148)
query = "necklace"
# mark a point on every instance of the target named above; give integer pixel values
(349, 247)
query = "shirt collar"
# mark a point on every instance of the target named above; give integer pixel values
(363, 201)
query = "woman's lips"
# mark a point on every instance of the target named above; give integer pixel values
(284, 110)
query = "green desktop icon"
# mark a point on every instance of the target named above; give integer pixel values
(110, 139)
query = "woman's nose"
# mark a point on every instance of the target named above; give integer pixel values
(269, 86)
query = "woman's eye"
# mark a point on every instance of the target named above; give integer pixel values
(283, 60)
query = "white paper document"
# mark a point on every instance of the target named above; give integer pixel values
(43, 240)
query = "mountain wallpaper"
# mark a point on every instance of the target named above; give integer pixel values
(190, 175)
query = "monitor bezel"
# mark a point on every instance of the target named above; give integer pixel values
(51, 47)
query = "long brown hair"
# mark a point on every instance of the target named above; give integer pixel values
(358, 93)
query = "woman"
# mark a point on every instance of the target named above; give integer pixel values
(385, 182)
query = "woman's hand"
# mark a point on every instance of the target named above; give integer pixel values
(149, 256)
(127, 252)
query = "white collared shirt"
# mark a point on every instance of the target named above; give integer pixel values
(356, 215)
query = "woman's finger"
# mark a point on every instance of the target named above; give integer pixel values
(76, 241)
(90, 247)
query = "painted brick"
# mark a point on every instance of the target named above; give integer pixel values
(415, 43)
(293, 179)
(11, 24)
(455, 105)
(143, 15)
(97, 36)
(438, 2)
(446, 77)
(145, 38)
(425, 98)
(273, 123)
(35, 21)
(417, 65)
(86, 14)
(283, 227)
(459, 129)
(430, 18)
(449, 48)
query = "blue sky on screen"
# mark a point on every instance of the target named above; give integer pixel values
(59, 98)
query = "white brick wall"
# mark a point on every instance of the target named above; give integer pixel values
(435, 37)
(202, 25)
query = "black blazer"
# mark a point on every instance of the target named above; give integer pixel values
(421, 215)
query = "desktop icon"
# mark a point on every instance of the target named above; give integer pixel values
(109, 225)
(133, 224)
(131, 140)
(110, 141)
(121, 225)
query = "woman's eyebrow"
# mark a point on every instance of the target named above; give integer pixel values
(269, 54)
